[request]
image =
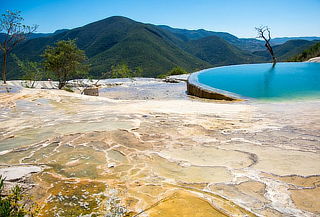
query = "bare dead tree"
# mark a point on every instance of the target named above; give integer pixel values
(264, 32)
(14, 33)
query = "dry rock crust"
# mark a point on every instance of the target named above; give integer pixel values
(164, 157)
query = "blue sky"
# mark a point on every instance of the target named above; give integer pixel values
(238, 17)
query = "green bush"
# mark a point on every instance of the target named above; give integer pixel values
(33, 71)
(65, 61)
(16, 203)
(174, 71)
(123, 71)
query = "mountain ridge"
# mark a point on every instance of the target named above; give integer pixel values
(286, 50)
(118, 39)
(156, 49)
(217, 51)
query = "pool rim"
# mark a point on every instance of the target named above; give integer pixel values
(195, 88)
(203, 90)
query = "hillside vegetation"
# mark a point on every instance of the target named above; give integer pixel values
(117, 40)
(285, 51)
(313, 51)
(247, 44)
(153, 49)
(218, 51)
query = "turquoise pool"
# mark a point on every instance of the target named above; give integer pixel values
(262, 81)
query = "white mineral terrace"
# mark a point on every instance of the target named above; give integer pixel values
(157, 151)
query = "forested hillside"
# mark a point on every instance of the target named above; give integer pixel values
(154, 49)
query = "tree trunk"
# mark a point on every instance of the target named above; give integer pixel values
(62, 79)
(268, 46)
(61, 84)
(4, 68)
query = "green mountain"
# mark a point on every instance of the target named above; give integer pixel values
(247, 44)
(313, 51)
(35, 35)
(276, 41)
(187, 35)
(115, 40)
(285, 51)
(155, 49)
(218, 51)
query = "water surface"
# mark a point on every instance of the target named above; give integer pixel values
(263, 81)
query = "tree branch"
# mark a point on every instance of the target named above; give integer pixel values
(261, 31)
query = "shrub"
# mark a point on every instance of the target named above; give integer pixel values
(174, 71)
(123, 71)
(33, 71)
(65, 61)
(16, 203)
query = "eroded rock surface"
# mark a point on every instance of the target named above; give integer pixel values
(163, 157)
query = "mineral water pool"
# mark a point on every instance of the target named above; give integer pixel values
(263, 81)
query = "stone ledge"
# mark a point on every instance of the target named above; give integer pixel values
(91, 91)
(195, 90)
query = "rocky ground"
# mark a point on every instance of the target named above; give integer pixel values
(314, 60)
(151, 150)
